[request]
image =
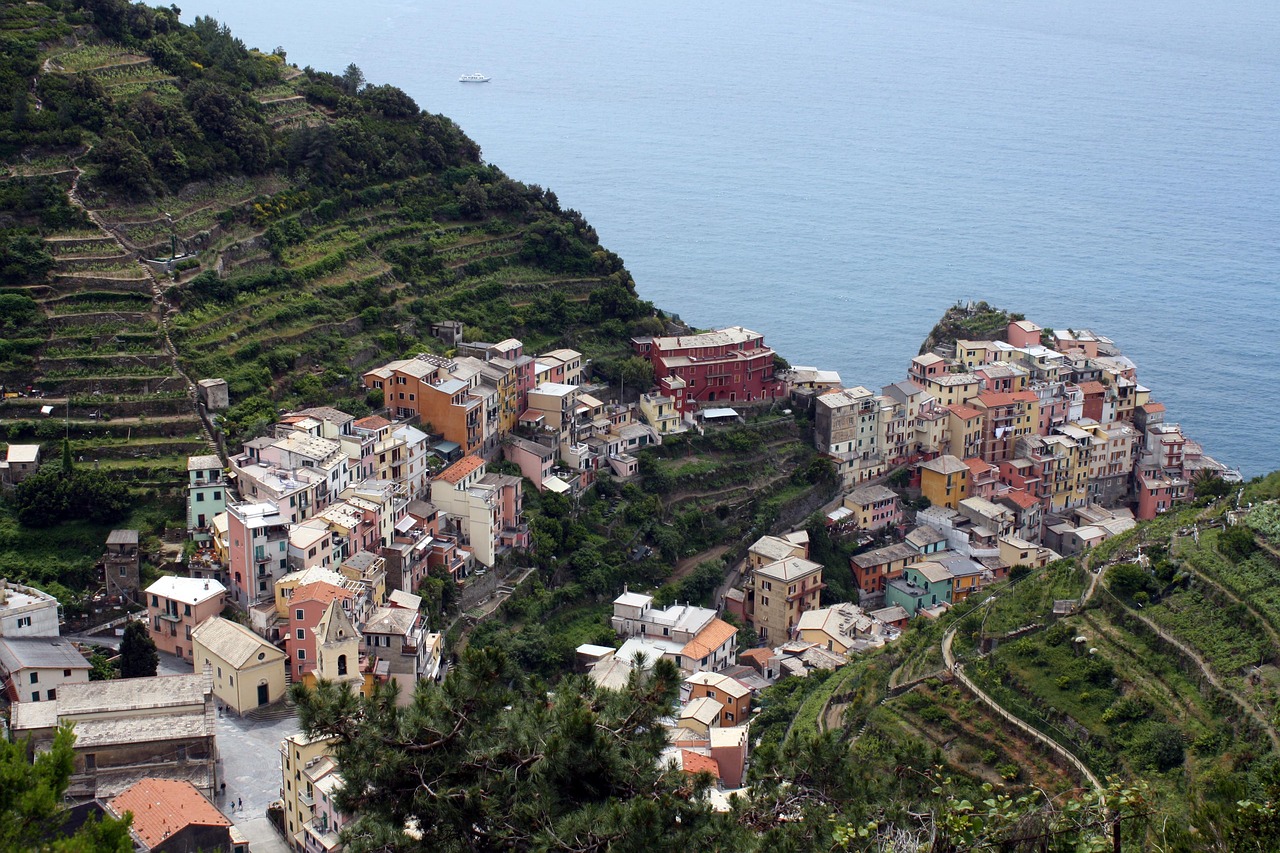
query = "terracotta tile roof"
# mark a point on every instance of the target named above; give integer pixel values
(756, 658)
(460, 469)
(1090, 388)
(1021, 498)
(708, 639)
(162, 807)
(693, 762)
(1153, 407)
(321, 591)
(978, 466)
(372, 422)
(960, 410)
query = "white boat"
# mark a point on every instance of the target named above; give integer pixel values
(473, 78)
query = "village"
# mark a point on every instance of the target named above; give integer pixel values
(310, 546)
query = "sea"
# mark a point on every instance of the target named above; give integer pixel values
(836, 173)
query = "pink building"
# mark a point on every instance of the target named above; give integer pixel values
(305, 609)
(1159, 492)
(177, 606)
(984, 478)
(1024, 333)
(535, 460)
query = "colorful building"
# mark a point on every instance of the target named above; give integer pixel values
(724, 366)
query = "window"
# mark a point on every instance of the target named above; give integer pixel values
(302, 633)
(297, 614)
(302, 654)
(35, 695)
(217, 496)
(35, 678)
(199, 497)
(219, 668)
(342, 664)
(186, 610)
(66, 673)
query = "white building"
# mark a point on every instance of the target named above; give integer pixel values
(27, 612)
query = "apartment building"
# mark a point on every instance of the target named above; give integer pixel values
(177, 606)
(723, 366)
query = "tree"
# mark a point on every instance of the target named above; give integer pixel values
(491, 761)
(103, 669)
(31, 809)
(352, 79)
(138, 655)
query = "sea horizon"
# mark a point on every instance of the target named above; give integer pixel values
(835, 175)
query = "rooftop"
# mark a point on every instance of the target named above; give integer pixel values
(164, 807)
(887, 554)
(123, 537)
(39, 653)
(321, 591)
(772, 547)
(710, 638)
(194, 590)
(730, 686)
(931, 571)
(864, 495)
(28, 453)
(705, 710)
(203, 463)
(83, 700)
(391, 620)
(945, 464)
(789, 569)
(459, 470)
(234, 643)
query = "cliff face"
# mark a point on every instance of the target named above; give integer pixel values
(974, 321)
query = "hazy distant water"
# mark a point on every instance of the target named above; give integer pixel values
(835, 174)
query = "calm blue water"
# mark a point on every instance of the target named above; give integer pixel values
(835, 174)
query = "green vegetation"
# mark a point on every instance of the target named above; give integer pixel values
(32, 812)
(138, 655)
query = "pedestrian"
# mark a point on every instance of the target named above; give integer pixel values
(224, 789)
(240, 804)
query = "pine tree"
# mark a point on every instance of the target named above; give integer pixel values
(31, 809)
(138, 655)
(490, 760)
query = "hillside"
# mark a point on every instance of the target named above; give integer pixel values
(177, 207)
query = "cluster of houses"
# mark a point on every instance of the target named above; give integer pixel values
(312, 542)
(1041, 424)
(143, 745)
(709, 729)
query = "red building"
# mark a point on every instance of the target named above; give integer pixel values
(725, 366)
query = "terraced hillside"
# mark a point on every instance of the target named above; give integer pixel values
(177, 206)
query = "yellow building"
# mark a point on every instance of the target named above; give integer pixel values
(951, 388)
(944, 481)
(771, 549)
(338, 651)
(299, 753)
(975, 353)
(659, 412)
(964, 431)
(248, 672)
(780, 592)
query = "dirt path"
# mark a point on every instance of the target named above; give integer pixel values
(688, 564)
